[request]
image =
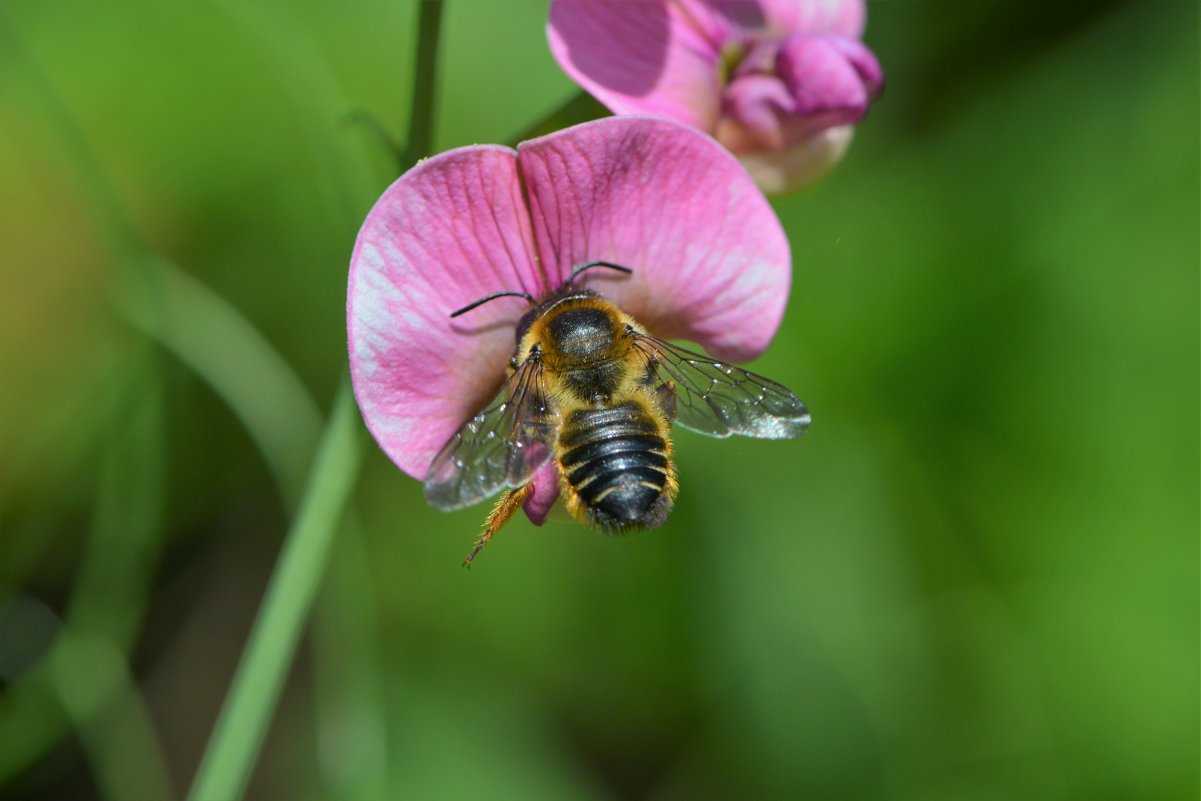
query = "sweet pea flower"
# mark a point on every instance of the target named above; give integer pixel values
(780, 83)
(710, 263)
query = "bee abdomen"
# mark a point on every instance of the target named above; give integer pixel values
(617, 463)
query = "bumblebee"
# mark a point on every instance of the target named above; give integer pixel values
(589, 388)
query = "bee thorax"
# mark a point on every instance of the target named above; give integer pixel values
(582, 335)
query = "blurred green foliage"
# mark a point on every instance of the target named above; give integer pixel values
(975, 578)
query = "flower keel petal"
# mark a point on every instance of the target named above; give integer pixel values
(546, 492)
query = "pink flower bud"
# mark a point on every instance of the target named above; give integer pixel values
(780, 83)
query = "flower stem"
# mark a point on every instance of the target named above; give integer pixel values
(580, 107)
(242, 724)
(225, 768)
(420, 139)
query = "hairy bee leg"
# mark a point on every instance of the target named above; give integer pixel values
(505, 508)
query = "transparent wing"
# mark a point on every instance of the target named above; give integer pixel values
(502, 446)
(719, 399)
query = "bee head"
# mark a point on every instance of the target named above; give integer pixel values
(564, 293)
(553, 298)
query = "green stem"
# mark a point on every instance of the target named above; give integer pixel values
(272, 403)
(242, 724)
(239, 732)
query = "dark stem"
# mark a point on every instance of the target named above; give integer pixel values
(376, 128)
(420, 139)
(580, 108)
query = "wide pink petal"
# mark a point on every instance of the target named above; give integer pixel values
(841, 17)
(449, 231)
(711, 262)
(638, 57)
(720, 21)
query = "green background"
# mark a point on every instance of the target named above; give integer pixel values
(976, 577)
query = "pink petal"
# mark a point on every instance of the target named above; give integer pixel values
(720, 21)
(756, 108)
(799, 164)
(546, 492)
(841, 17)
(790, 128)
(822, 80)
(711, 263)
(638, 57)
(863, 61)
(449, 231)
(819, 83)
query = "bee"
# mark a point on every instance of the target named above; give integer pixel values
(591, 389)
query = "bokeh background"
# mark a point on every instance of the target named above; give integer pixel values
(975, 578)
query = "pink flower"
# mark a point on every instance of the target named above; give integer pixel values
(778, 82)
(709, 263)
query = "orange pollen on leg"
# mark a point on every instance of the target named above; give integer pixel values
(505, 508)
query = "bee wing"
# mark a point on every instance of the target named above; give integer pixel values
(502, 446)
(719, 399)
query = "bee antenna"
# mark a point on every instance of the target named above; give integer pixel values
(482, 301)
(592, 264)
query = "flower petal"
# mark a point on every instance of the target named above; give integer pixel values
(546, 492)
(864, 62)
(820, 82)
(638, 57)
(841, 17)
(756, 109)
(828, 76)
(711, 262)
(448, 232)
(800, 164)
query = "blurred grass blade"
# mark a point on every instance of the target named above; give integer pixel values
(111, 590)
(115, 727)
(208, 334)
(268, 398)
(345, 180)
(217, 342)
(240, 728)
(225, 768)
(106, 608)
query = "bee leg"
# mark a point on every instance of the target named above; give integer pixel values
(666, 396)
(505, 508)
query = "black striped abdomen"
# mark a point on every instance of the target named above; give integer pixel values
(617, 463)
